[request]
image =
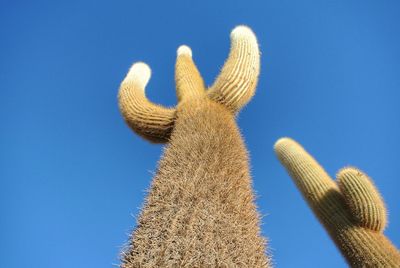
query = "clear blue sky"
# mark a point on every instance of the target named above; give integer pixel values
(72, 174)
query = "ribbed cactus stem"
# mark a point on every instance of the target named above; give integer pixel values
(363, 199)
(189, 83)
(299, 163)
(238, 79)
(151, 121)
(344, 210)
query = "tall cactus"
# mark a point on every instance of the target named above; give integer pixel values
(200, 210)
(351, 209)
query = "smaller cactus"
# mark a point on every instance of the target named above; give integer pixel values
(351, 210)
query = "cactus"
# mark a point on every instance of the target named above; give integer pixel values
(200, 209)
(351, 209)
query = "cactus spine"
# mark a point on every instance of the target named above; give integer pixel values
(351, 210)
(200, 210)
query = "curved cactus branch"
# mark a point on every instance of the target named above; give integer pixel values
(352, 211)
(237, 81)
(151, 121)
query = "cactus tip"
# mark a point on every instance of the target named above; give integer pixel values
(348, 170)
(282, 142)
(184, 50)
(243, 32)
(140, 73)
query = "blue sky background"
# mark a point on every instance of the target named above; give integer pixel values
(72, 174)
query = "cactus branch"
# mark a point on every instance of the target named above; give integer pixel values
(237, 81)
(363, 199)
(189, 82)
(151, 121)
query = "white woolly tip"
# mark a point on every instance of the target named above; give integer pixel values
(184, 50)
(243, 32)
(139, 73)
(282, 142)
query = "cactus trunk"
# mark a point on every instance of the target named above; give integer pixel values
(200, 210)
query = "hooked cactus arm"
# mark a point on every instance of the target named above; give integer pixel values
(151, 121)
(351, 210)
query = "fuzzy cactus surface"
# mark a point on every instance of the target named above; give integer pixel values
(351, 208)
(200, 209)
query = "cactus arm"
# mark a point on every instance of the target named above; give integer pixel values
(363, 199)
(151, 121)
(238, 79)
(189, 83)
(308, 175)
(344, 210)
